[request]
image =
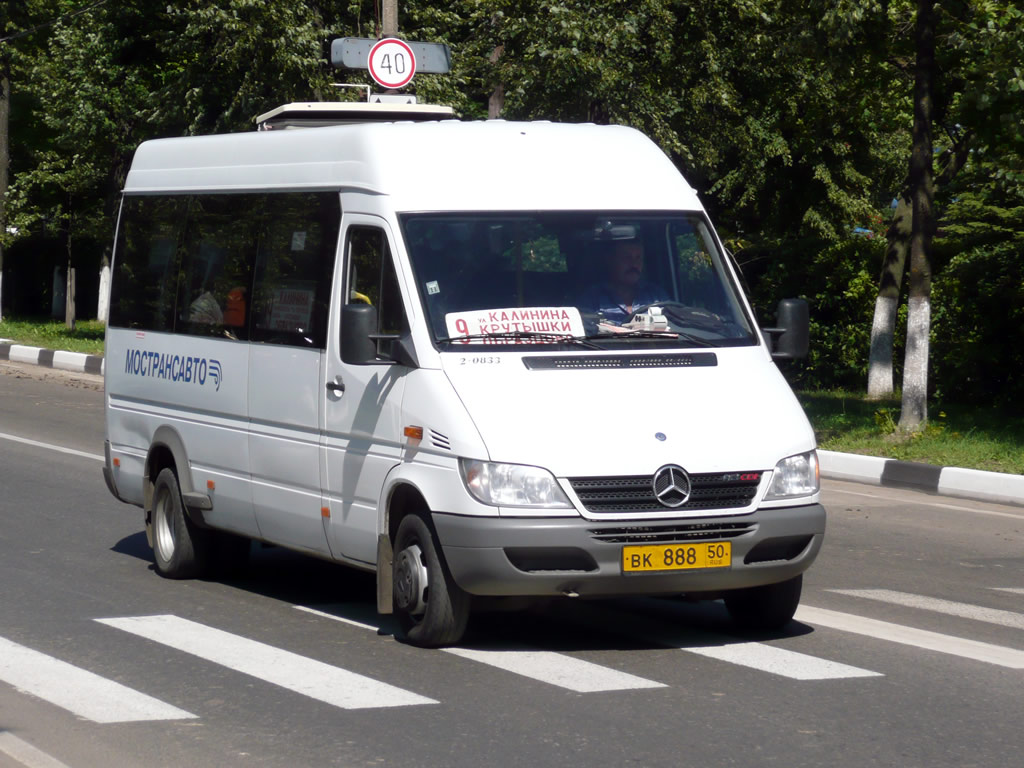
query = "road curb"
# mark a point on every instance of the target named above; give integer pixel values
(66, 361)
(998, 487)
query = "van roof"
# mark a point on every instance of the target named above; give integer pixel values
(429, 166)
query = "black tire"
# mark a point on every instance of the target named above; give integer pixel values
(768, 607)
(431, 609)
(181, 550)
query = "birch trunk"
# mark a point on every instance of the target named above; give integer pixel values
(103, 305)
(883, 327)
(914, 411)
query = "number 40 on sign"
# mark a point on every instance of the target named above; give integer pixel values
(392, 63)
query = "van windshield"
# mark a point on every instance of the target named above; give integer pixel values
(604, 280)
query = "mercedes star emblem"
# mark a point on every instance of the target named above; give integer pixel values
(671, 486)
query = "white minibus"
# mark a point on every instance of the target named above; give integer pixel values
(485, 360)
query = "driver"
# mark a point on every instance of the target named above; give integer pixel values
(623, 288)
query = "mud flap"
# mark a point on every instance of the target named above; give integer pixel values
(385, 555)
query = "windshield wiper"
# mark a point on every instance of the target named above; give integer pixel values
(636, 334)
(553, 338)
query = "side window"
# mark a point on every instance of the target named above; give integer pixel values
(698, 284)
(372, 280)
(145, 275)
(294, 268)
(220, 244)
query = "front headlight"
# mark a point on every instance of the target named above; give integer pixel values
(795, 476)
(512, 485)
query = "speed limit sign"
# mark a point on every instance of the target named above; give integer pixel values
(392, 63)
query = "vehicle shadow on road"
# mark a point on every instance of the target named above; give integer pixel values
(134, 545)
(555, 624)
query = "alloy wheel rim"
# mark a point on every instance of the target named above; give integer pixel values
(411, 581)
(164, 534)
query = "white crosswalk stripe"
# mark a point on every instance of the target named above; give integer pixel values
(920, 638)
(779, 661)
(25, 754)
(556, 669)
(1014, 590)
(948, 607)
(301, 674)
(79, 691)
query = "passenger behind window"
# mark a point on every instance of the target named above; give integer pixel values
(205, 309)
(234, 314)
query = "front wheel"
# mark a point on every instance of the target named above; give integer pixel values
(430, 607)
(181, 550)
(767, 607)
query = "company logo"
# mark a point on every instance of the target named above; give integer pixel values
(184, 369)
(216, 373)
(671, 486)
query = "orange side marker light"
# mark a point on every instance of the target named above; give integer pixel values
(414, 433)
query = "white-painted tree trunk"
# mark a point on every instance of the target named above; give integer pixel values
(103, 305)
(883, 330)
(914, 408)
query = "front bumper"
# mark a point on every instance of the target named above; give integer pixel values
(573, 556)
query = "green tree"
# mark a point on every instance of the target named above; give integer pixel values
(969, 87)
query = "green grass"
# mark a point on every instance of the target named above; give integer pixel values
(52, 334)
(956, 435)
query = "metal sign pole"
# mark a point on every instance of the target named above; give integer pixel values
(389, 21)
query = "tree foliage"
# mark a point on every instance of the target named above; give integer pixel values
(791, 118)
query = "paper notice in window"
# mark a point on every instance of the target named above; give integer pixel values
(292, 309)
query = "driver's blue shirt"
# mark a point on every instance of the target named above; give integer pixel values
(600, 298)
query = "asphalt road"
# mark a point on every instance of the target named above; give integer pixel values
(908, 649)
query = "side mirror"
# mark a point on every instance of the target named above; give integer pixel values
(358, 324)
(360, 340)
(789, 340)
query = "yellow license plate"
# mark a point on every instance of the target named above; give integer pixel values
(676, 557)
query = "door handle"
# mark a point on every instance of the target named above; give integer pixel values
(337, 386)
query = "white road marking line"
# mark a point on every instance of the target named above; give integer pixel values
(78, 691)
(1014, 590)
(301, 674)
(546, 666)
(919, 638)
(893, 500)
(557, 669)
(948, 607)
(335, 617)
(26, 754)
(779, 661)
(50, 446)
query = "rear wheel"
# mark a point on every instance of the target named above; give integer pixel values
(430, 607)
(768, 607)
(180, 548)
